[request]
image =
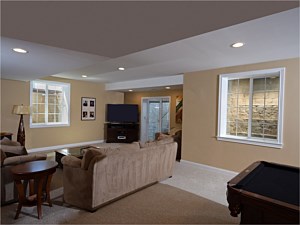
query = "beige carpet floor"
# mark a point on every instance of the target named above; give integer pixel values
(157, 204)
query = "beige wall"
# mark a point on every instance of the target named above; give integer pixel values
(17, 92)
(200, 121)
(135, 98)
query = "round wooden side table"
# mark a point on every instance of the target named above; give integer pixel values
(38, 174)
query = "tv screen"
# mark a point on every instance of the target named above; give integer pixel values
(122, 113)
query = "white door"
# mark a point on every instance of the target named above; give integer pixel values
(155, 117)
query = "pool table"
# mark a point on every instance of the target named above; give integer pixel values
(265, 193)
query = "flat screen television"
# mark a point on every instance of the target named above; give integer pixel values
(122, 113)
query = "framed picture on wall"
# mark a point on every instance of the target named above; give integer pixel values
(88, 108)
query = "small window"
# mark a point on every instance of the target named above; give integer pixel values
(50, 104)
(251, 107)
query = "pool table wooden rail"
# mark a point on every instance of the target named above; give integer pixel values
(255, 208)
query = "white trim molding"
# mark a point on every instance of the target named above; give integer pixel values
(210, 168)
(144, 83)
(56, 147)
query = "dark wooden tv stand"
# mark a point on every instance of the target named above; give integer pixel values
(121, 132)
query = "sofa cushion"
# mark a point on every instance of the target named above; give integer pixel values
(6, 141)
(89, 154)
(13, 150)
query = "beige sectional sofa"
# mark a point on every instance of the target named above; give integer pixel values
(106, 174)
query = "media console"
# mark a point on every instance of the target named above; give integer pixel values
(121, 132)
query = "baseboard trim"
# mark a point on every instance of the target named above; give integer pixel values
(210, 168)
(50, 148)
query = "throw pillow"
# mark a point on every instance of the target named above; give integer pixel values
(14, 150)
(88, 156)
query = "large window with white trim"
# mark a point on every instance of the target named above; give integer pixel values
(50, 104)
(251, 107)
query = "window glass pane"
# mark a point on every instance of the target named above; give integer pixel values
(232, 100)
(41, 108)
(259, 84)
(242, 128)
(51, 108)
(257, 128)
(258, 98)
(51, 99)
(265, 107)
(58, 117)
(58, 108)
(51, 118)
(231, 128)
(258, 113)
(41, 118)
(238, 107)
(244, 85)
(243, 99)
(272, 83)
(270, 129)
(34, 118)
(271, 112)
(34, 108)
(271, 98)
(243, 113)
(231, 113)
(233, 86)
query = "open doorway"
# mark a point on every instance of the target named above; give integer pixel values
(155, 117)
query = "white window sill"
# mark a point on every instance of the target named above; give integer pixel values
(49, 125)
(265, 143)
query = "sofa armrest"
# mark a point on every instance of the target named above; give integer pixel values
(23, 158)
(71, 161)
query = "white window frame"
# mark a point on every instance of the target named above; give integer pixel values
(222, 109)
(66, 86)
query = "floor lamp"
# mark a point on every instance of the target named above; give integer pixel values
(21, 110)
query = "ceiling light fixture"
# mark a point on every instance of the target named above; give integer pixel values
(121, 68)
(168, 87)
(19, 50)
(85, 76)
(237, 45)
(130, 90)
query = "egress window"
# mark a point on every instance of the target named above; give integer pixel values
(251, 107)
(50, 104)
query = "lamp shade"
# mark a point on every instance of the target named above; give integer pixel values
(21, 109)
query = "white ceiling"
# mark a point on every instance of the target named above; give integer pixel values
(267, 38)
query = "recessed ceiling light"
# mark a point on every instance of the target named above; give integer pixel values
(168, 87)
(130, 90)
(19, 50)
(121, 68)
(84, 76)
(237, 45)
